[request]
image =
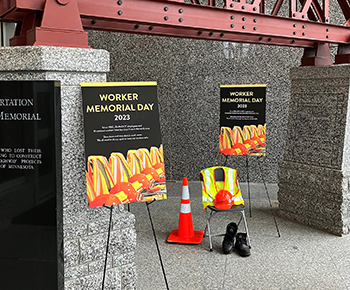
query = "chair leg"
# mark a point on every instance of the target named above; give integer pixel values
(246, 228)
(239, 222)
(210, 243)
(207, 228)
(206, 225)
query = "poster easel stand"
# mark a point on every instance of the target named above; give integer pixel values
(267, 193)
(109, 234)
(266, 190)
(250, 204)
(155, 239)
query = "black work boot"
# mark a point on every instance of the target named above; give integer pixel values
(228, 242)
(241, 245)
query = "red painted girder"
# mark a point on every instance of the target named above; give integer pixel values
(213, 19)
(37, 5)
(14, 9)
(186, 20)
(194, 33)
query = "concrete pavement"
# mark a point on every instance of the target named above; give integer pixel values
(302, 258)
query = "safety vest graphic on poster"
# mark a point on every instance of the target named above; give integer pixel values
(124, 152)
(243, 120)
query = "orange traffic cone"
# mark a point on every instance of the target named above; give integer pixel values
(185, 233)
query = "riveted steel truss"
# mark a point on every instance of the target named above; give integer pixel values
(305, 23)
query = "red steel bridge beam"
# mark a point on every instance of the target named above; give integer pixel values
(61, 23)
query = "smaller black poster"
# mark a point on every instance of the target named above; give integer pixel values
(124, 152)
(242, 120)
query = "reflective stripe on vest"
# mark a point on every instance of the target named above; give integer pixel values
(207, 198)
(238, 199)
(207, 183)
(230, 179)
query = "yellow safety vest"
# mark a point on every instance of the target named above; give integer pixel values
(210, 187)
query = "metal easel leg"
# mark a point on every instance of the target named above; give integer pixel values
(246, 228)
(250, 206)
(155, 239)
(109, 234)
(226, 156)
(268, 197)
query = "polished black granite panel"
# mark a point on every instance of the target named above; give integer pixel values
(29, 183)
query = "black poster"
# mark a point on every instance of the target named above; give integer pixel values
(30, 147)
(124, 152)
(242, 120)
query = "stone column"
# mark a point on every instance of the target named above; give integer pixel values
(82, 232)
(314, 174)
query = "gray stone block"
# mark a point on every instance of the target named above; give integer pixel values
(75, 79)
(121, 260)
(128, 277)
(74, 231)
(113, 279)
(73, 285)
(313, 177)
(122, 241)
(127, 240)
(71, 253)
(76, 272)
(93, 281)
(98, 226)
(124, 220)
(93, 247)
(50, 58)
(25, 76)
(82, 231)
(115, 238)
(98, 266)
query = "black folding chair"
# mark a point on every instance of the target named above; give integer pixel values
(212, 210)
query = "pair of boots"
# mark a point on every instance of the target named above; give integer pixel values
(229, 244)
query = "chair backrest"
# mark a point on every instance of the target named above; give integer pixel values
(219, 174)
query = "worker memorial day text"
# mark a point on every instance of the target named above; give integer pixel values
(119, 107)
